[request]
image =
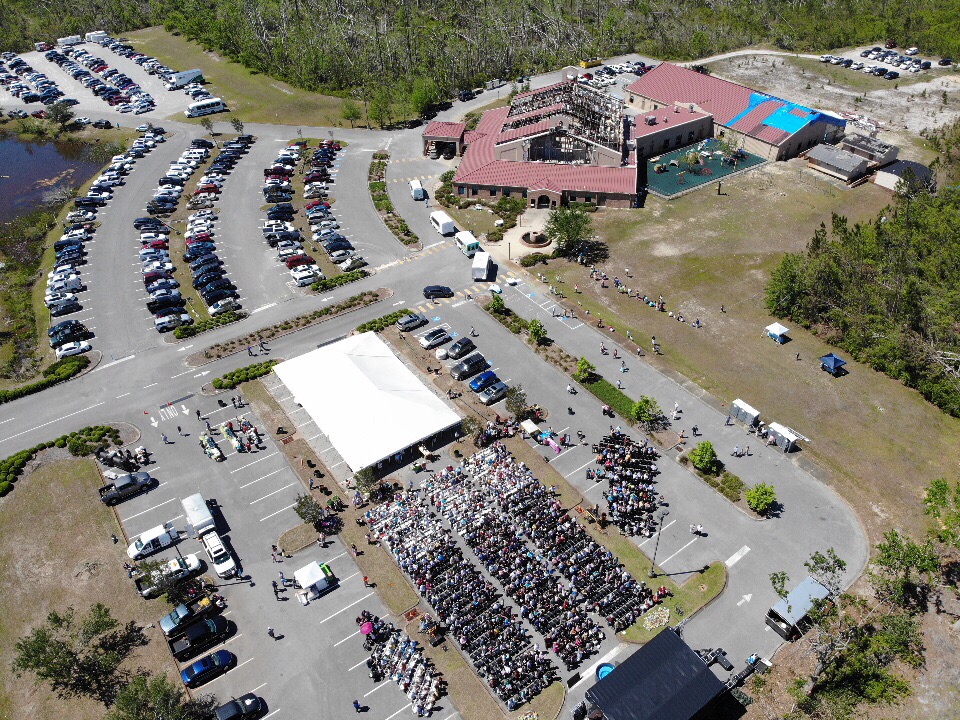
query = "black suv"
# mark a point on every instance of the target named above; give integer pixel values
(460, 348)
(469, 366)
(165, 302)
(437, 291)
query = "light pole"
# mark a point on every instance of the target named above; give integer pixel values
(653, 563)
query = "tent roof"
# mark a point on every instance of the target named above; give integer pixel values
(799, 601)
(777, 329)
(832, 361)
(364, 399)
(663, 680)
(309, 575)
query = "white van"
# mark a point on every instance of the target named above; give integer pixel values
(153, 540)
(416, 190)
(219, 556)
(198, 514)
(442, 223)
(467, 243)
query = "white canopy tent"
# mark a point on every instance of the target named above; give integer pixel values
(777, 331)
(364, 399)
(309, 575)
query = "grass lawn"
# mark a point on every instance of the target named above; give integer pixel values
(251, 96)
(476, 221)
(42, 572)
(879, 442)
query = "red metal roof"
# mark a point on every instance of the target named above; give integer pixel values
(445, 130)
(479, 166)
(673, 119)
(528, 93)
(725, 100)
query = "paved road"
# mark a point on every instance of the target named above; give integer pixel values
(141, 376)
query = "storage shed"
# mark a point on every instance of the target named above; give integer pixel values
(837, 163)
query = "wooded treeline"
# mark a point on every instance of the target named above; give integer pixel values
(888, 292)
(345, 44)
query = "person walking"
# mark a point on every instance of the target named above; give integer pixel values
(276, 590)
(273, 556)
(250, 351)
(366, 581)
(623, 366)
(179, 430)
(272, 633)
(356, 705)
(322, 540)
(619, 384)
(209, 429)
(163, 437)
(233, 400)
(696, 431)
(199, 418)
(283, 580)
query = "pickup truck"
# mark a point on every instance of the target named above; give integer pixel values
(125, 486)
(175, 569)
(174, 623)
(198, 637)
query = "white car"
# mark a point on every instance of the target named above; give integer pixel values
(146, 127)
(155, 265)
(72, 348)
(275, 226)
(288, 252)
(61, 273)
(222, 306)
(211, 180)
(209, 214)
(83, 121)
(149, 254)
(146, 238)
(911, 51)
(101, 195)
(105, 180)
(342, 255)
(304, 275)
(58, 298)
(325, 224)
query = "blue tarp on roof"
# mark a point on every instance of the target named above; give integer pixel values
(783, 117)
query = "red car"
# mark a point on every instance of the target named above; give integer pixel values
(157, 245)
(199, 237)
(297, 260)
(316, 203)
(154, 275)
(316, 177)
(207, 188)
(39, 114)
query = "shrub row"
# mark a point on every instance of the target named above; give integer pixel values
(185, 331)
(338, 280)
(534, 258)
(367, 297)
(56, 373)
(241, 375)
(505, 316)
(382, 323)
(79, 443)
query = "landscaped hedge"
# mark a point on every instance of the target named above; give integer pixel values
(609, 394)
(534, 258)
(382, 323)
(240, 375)
(56, 373)
(79, 443)
(338, 280)
(185, 331)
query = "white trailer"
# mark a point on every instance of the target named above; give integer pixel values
(442, 223)
(178, 80)
(481, 266)
(96, 36)
(69, 40)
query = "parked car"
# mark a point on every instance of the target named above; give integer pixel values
(493, 394)
(411, 322)
(437, 291)
(207, 668)
(483, 381)
(460, 348)
(469, 366)
(73, 348)
(435, 337)
(245, 706)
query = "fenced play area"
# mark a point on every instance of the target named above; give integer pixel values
(688, 168)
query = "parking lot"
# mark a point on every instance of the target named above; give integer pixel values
(318, 660)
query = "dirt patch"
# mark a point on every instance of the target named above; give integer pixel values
(39, 572)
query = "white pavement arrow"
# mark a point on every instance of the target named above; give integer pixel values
(205, 372)
(185, 348)
(153, 422)
(184, 408)
(745, 598)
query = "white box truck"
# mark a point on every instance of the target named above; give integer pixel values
(69, 40)
(442, 223)
(96, 36)
(416, 190)
(198, 515)
(178, 80)
(481, 265)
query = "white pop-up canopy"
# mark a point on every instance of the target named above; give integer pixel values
(309, 575)
(364, 399)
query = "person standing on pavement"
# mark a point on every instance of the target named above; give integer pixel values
(356, 705)
(198, 415)
(271, 633)
(163, 437)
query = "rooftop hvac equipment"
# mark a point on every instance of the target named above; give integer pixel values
(651, 119)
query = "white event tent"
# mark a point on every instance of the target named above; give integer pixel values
(364, 399)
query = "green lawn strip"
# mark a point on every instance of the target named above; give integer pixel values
(251, 96)
(610, 395)
(479, 222)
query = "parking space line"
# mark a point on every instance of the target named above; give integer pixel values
(341, 642)
(273, 493)
(148, 510)
(661, 530)
(345, 608)
(258, 687)
(735, 558)
(254, 462)
(678, 552)
(229, 640)
(362, 662)
(263, 478)
(272, 714)
(574, 472)
(24, 432)
(405, 707)
(378, 687)
(277, 512)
